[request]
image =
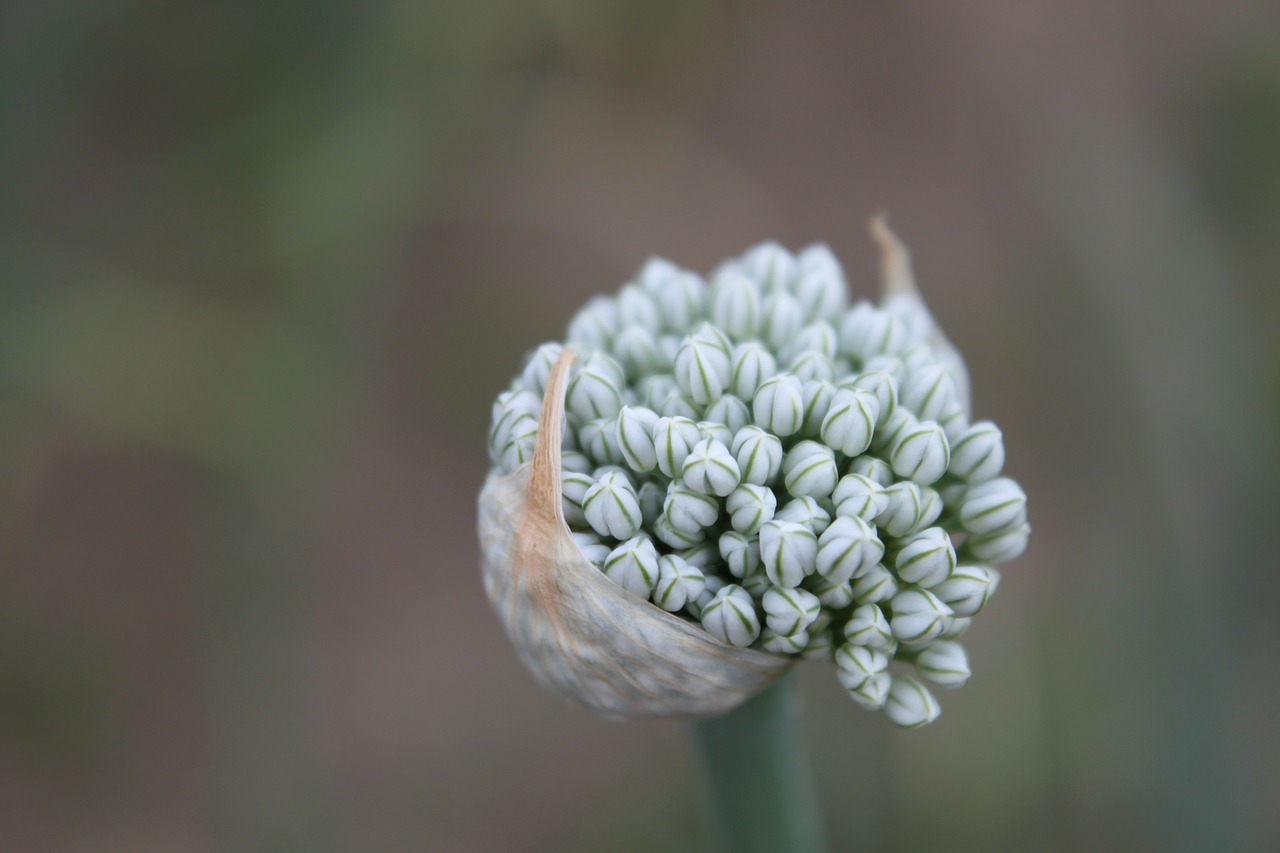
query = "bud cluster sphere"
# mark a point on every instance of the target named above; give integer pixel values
(791, 471)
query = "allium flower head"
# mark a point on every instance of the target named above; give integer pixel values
(786, 469)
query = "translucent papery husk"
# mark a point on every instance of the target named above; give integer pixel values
(579, 633)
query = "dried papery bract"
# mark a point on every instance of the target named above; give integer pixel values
(581, 634)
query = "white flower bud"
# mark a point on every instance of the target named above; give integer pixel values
(603, 364)
(573, 490)
(873, 694)
(519, 447)
(857, 496)
(848, 549)
(868, 626)
(910, 704)
(834, 596)
(895, 427)
(955, 424)
(678, 583)
(851, 420)
(819, 647)
(599, 439)
(884, 386)
(817, 337)
(633, 565)
(978, 455)
(918, 616)
(711, 469)
(689, 510)
(731, 616)
(855, 665)
(636, 307)
(696, 606)
(817, 395)
(595, 324)
(702, 366)
(704, 556)
(535, 373)
(750, 506)
(732, 413)
(771, 265)
(655, 273)
(821, 288)
(593, 395)
(810, 469)
(889, 364)
(875, 585)
(956, 626)
(759, 455)
(612, 507)
(873, 468)
(813, 366)
(511, 408)
(715, 432)
(673, 438)
(757, 584)
(638, 352)
(677, 405)
(866, 332)
(789, 552)
(993, 506)
(675, 537)
(578, 463)
(735, 305)
(781, 318)
(593, 550)
(806, 511)
(927, 559)
(680, 300)
(929, 392)
(653, 390)
(750, 365)
(778, 405)
(903, 511)
(779, 644)
(1001, 546)
(944, 662)
(922, 453)
(930, 508)
(967, 590)
(741, 553)
(634, 435)
(789, 610)
(651, 497)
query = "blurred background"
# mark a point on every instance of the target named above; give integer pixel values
(264, 266)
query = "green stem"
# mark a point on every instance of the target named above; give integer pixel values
(761, 791)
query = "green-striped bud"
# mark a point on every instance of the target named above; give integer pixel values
(595, 324)
(573, 490)
(978, 455)
(778, 405)
(875, 585)
(711, 469)
(593, 550)
(730, 616)
(751, 365)
(921, 454)
(856, 665)
(678, 583)
(868, 626)
(599, 440)
(780, 644)
(673, 438)
(592, 394)
(998, 547)
(918, 616)
(851, 420)
(702, 365)
(857, 496)
(967, 590)
(639, 352)
(885, 388)
(612, 507)
(735, 305)
(927, 559)
(903, 510)
(731, 413)
(910, 704)
(994, 506)
(817, 395)
(806, 511)
(789, 552)
(809, 469)
(781, 318)
(789, 610)
(750, 506)
(873, 468)
(741, 553)
(689, 510)
(944, 662)
(633, 565)
(848, 549)
(832, 595)
(771, 265)
(759, 455)
(634, 436)
(866, 332)
(929, 391)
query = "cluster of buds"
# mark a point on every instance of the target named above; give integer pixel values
(793, 473)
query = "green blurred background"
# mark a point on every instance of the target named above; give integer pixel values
(263, 267)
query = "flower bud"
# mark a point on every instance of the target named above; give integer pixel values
(818, 337)
(750, 366)
(741, 553)
(673, 438)
(817, 395)
(653, 390)
(857, 496)
(677, 405)
(866, 332)
(994, 506)
(955, 424)
(851, 420)
(813, 366)
(680, 299)
(998, 547)
(921, 454)
(518, 449)
(806, 511)
(592, 395)
(898, 424)
(967, 590)
(820, 289)
(634, 436)
(538, 368)
(735, 305)
(873, 694)
(780, 644)
(715, 432)
(731, 412)
(978, 455)
(789, 552)
(956, 626)
(612, 507)
(929, 392)
(819, 647)
(651, 497)
(944, 662)
(633, 565)
(595, 324)
(781, 319)
(731, 616)
(778, 405)
(835, 596)
(788, 610)
(874, 469)
(689, 510)
(848, 549)
(512, 406)
(638, 352)
(637, 308)
(599, 439)
(855, 665)
(711, 469)
(750, 506)
(696, 606)
(918, 616)
(702, 365)
(759, 455)
(910, 704)
(771, 265)
(903, 510)
(885, 388)
(930, 508)
(578, 463)
(757, 584)
(573, 489)
(875, 585)
(869, 627)
(674, 537)
(678, 583)
(593, 550)
(927, 559)
(810, 469)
